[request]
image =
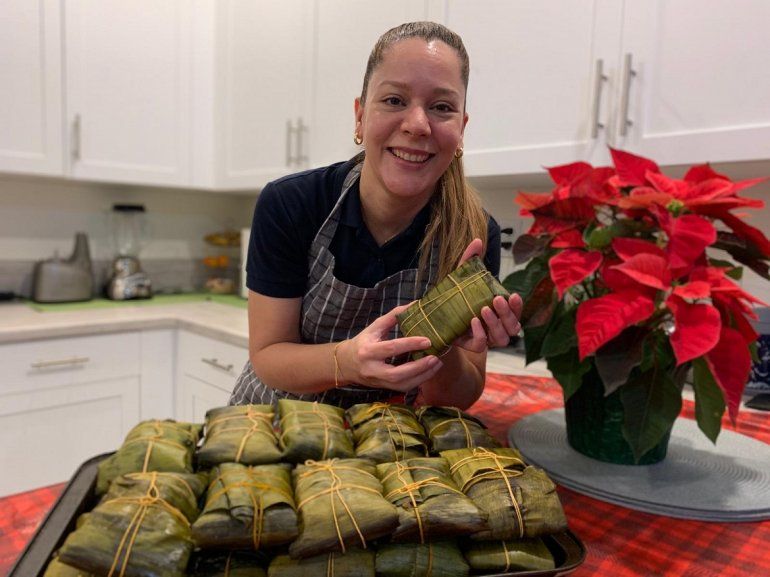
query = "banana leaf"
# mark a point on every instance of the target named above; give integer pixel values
(141, 528)
(354, 563)
(56, 568)
(227, 564)
(385, 433)
(505, 556)
(429, 503)
(450, 428)
(247, 508)
(313, 431)
(340, 505)
(239, 434)
(446, 310)
(165, 446)
(436, 559)
(519, 500)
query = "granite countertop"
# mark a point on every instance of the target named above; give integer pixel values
(222, 318)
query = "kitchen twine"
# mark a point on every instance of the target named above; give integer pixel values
(482, 454)
(156, 439)
(258, 517)
(507, 558)
(325, 423)
(261, 423)
(463, 421)
(335, 490)
(151, 498)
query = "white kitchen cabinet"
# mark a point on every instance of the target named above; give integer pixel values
(31, 87)
(63, 401)
(128, 90)
(206, 373)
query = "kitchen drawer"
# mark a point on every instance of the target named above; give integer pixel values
(211, 361)
(52, 363)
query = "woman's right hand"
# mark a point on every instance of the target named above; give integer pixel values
(362, 359)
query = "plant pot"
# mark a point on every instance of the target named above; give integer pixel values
(595, 422)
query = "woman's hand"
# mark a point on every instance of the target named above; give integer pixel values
(501, 321)
(362, 359)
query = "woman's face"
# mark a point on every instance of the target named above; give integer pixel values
(413, 119)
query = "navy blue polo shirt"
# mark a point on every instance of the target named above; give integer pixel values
(289, 214)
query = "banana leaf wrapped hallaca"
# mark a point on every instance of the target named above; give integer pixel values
(141, 528)
(353, 563)
(247, 508)
(519, 500)
(450, 428)
(385, 433)
(239, 434)
(227, 564)
(428, 501)
(435, 559)
(56, 568)
(446, 310)
(340, 505)
(507, 556)
(165, 446)
(313, 431)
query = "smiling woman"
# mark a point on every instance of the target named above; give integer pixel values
(337, 252)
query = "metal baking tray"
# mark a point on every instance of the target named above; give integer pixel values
(78, 497)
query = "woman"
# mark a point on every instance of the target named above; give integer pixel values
(337, 252)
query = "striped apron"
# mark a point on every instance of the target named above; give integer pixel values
(333, 311)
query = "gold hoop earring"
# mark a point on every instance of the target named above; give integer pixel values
(459, 152)
(357, 138)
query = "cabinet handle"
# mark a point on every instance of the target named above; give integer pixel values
(628, 74)
(73, 361)
(289, 132)
(301, 128)
(76, 138)
(599, 80)
(217, 365)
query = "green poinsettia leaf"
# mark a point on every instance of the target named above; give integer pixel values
(651, 404)
(709, 400)
(525, 280)
(533, 342)
(735, 272)
(743, 252)
(527, 246)
(568, 370)
(538, 308)
(617, 358)
(561, 335)
(754, 352)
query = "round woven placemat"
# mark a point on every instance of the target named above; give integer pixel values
(697, 480)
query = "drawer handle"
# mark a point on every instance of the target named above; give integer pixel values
(73, 361)
(216, 364)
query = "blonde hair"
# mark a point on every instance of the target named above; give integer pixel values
(456, 215)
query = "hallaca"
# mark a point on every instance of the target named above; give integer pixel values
(446, 310)
(507, 556)
(353, 563)
(519, 500)
(428, 501)
(385, 433)
(247, 508)
(435, 559)
(165, 446)
(340, 505)
(313, 431)
(239, 434)
(450, 428)
(227, 564)
(56, 568)
(141, 528)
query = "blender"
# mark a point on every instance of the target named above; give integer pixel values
(127, 280)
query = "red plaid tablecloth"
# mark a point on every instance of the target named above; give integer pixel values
(620, 542)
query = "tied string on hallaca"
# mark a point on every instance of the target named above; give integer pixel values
(157, 439)
(335, 491)
(252, 485)
(388, 418)
(411, 488)
(470, 443)
(261, 423)
(498, 472)
(325, 424)
(507, 557)
(439, 300)
(150, 499)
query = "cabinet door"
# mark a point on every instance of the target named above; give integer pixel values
(200, 396)
(533, 96)
(128, 90)
(345, 33)
(30, 87)
(702, 80)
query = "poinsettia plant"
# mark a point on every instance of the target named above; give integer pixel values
(620, 276)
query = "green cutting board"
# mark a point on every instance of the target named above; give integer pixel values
(100, 303)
